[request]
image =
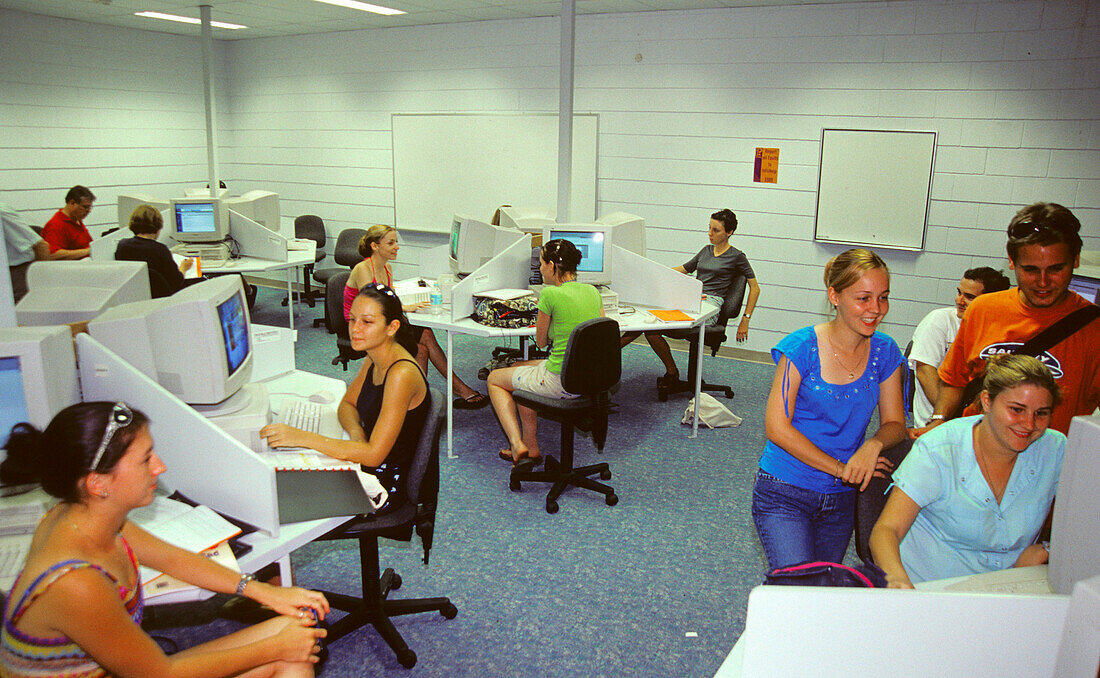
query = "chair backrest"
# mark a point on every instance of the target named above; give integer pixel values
(731, 302)
(422, 479)
(346, 252)
(313, 227)
(593, 360)
(334, 304)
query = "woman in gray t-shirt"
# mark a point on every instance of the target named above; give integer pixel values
(716, 265)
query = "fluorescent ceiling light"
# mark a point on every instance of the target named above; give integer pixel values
(187, 20)
(366, 7)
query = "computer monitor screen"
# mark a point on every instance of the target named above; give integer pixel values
(1087, 286)
(37, 375)
(594, 244)
(194, 343)
(234, 321)
(13, 406)
(199, 220)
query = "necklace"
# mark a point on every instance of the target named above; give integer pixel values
(851, 371)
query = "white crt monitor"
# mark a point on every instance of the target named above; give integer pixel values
(594, 243)
(128, 202)
(61, 292)
(629, 232)
(194, 343)
(1076, 527)
(259, 206)
(473, 243)
(199, 219)
(37, 375)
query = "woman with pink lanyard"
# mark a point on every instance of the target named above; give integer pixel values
(378, 248)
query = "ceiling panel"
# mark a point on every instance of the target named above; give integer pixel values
(267, 18)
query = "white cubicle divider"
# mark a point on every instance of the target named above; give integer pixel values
(813, 631)
(511, 269)
(204, 462)
(255, 240)
(103, 248)
(435, 261)
(642, 281)
(61, 292)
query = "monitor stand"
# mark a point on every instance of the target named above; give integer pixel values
(241, 415)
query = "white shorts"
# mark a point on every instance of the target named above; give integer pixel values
(537, 379)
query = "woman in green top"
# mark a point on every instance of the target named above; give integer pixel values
(564, 304)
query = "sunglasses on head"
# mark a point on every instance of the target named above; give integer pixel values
(121, 417)
(1025, 229)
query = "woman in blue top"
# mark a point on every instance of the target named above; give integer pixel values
(972, 494)
(563, 304)
(828, 380)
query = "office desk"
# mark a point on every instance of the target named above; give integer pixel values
(627, 323)
(295, 260)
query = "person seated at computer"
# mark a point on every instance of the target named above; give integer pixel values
(829, 379)
(716, 265)
(146, 223)
(563, 304)
(378, 248)
(384, 408)
(974, 492)
(76, 607)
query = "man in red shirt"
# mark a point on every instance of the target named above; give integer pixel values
(1044, 247)
(65, 232)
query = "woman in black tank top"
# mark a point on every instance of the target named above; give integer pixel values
(384, 408)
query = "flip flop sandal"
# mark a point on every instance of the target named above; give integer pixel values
(473, 402)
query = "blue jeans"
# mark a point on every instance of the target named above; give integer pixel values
(798, 525)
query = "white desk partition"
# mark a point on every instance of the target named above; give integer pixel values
(511, 269)
(435, 261)
(204, 462)
(823, 632)
(638, 280)
(256, 241)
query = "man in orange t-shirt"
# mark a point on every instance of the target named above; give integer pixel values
(1044, 247)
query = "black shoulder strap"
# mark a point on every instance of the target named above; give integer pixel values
(1057, 332)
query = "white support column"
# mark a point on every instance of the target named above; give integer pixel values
(565, 112)
(208, 94)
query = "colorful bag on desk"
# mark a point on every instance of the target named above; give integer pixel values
(507, 313)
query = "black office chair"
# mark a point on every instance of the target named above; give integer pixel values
(313, 227)
(334, 317)
(713, 338)
(870, 502)
(417, 514)
(592, 367)
(346, 255)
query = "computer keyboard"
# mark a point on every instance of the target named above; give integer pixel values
(309, 416)
(13, 553)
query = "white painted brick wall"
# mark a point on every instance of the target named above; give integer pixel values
(684, 97)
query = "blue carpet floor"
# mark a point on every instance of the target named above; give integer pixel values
(655, 586)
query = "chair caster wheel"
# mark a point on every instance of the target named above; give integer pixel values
(611, 499)
(513, 485)
(551, 506)
(406, 658)
(449, 611)
(605, 475)
(396, 582)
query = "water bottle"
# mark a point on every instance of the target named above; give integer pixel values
(435, 297)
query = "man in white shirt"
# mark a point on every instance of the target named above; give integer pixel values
(23, 246)
(937, 330)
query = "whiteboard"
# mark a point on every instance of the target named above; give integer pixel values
(873, 187)
(471, 164)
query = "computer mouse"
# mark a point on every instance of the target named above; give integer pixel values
(323, 397)
(650, 318)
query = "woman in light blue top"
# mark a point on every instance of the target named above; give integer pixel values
(828, 381)
(563, 304)
(973, 493)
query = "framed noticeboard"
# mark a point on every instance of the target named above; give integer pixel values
(873, 187)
